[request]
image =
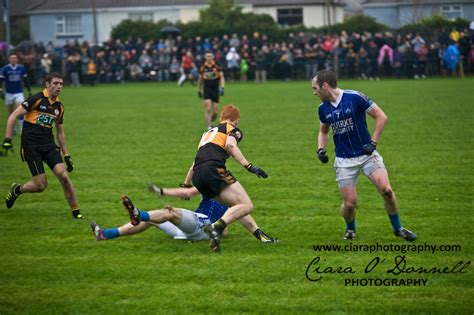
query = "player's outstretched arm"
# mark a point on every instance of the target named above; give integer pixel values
(232, 148)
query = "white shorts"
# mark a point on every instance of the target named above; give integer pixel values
(348, 169)
(190, 227)
(12, 99)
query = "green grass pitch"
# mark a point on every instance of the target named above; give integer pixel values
(122, 136)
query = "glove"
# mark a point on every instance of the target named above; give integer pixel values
(7, 145)
(256, 170)
(200, 94)
(221, 91)
(369, 148)
(2, 94)
(69, 164)
(322, 156)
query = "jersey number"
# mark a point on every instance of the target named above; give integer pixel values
(45, 120)
(208, 136)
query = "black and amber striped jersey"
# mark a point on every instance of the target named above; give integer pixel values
(210, 74)
(211, 149)
(42, 113)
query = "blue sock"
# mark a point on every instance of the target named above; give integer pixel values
(395, 221)
(111, 233)
(144, 216)
(351, 225)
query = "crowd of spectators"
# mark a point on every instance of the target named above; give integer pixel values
(364, 56)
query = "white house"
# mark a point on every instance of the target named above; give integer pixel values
(60, 20)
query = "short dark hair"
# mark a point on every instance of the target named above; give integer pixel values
(51, 76)
(327, 76)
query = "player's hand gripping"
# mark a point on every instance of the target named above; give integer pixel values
(7, 145)
(256, 170)
(322, 156)
(221, 91)
(369, 148)
(69, 163)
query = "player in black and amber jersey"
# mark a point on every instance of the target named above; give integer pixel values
(210, 87)
(42, 111)
(210, 176)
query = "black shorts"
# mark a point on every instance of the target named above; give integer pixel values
(36, 155)
(210, 181)
(211, 94)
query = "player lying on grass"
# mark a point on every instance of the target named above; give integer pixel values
(178, 223)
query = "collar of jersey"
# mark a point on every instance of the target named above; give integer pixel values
(51, 101)
(339, 98)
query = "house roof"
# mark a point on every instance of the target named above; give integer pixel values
(412, 2)
(57, 5)
(21, 7)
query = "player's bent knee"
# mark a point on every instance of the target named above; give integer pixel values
(387, 192)
(350, 204)
(41, 186)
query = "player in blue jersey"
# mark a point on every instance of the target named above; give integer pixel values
(181, 224)
(345, 112)
(14, 76)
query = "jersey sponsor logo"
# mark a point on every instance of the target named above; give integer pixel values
(343, 126)
(45, 120)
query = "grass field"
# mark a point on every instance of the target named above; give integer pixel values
(122, 136)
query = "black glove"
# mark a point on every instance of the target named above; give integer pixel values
(256, 170)
(369, 148)
(7, 145)
(70, 165)
(2, 94)
(322, 156)
(199, 94)
(221, 91)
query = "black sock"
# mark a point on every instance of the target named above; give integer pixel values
(220, 225)
(256, 233)
(17, 190)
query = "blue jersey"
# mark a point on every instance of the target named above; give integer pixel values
(347, 119)
(211, 208)
(13, 77)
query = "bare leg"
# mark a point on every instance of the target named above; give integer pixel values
(63, 177)
(37, 184)
(380, 179)
(207, 112)
(215, 109)
(238, 200)
(129, 229)
(349, 202)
